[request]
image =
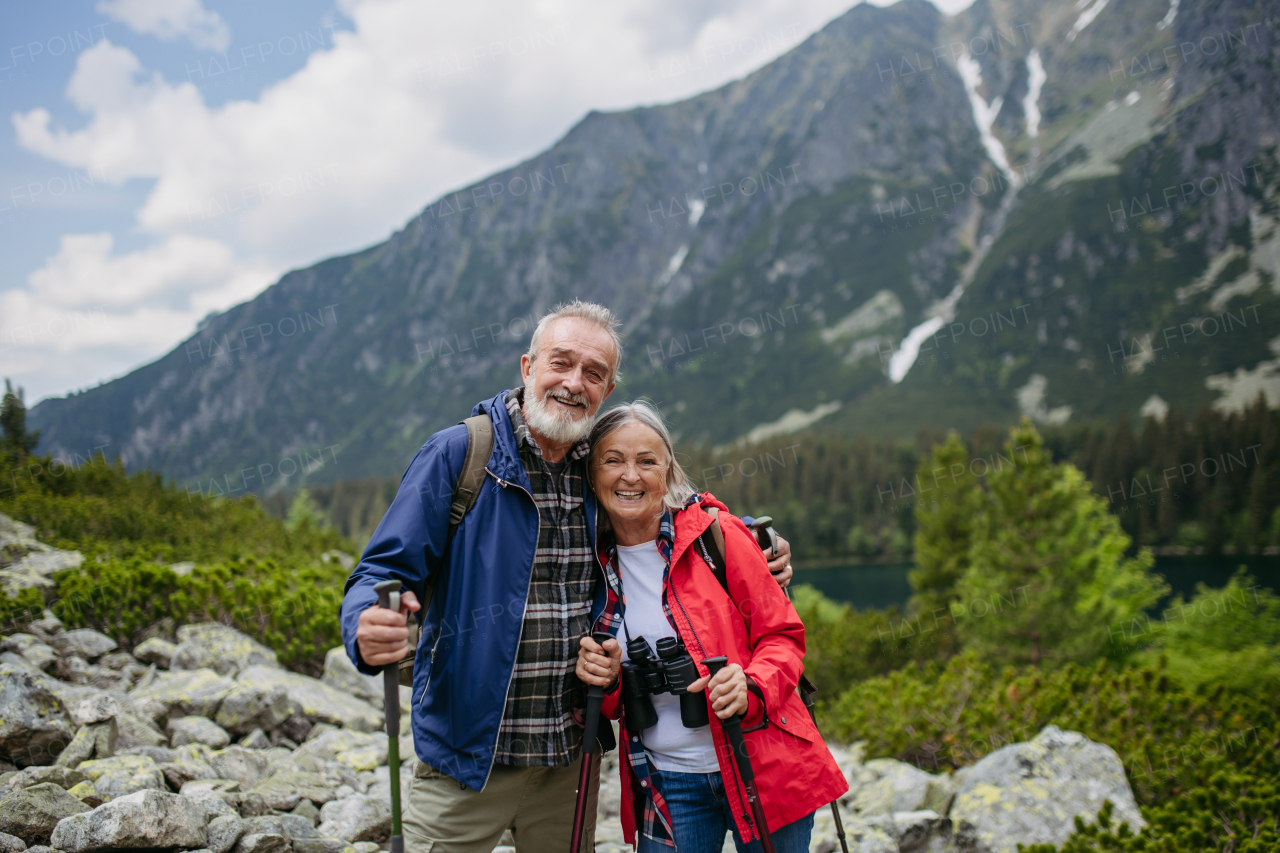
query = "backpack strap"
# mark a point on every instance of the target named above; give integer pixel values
(713, 553)
(471, 478)
(470, 481)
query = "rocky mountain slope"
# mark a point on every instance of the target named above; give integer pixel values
(1058, 210)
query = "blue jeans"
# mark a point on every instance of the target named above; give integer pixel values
(701, 814)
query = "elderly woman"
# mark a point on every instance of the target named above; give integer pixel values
(680, 784)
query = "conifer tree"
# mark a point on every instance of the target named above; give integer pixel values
(1047, 580)
(16, 440)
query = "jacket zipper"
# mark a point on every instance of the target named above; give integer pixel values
(493, 755)
(736, 786)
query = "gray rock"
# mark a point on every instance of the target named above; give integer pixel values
(122, 775)
(190, 693)
(95, 708)
(262, 842)
(47, 625)
(256, 739)
(246, 766)
(158, 754)
(17, 660)
(211, 799)
(34, 724)
(11, 843)
(40, 656)
(341, 673)
(322, 845)
(40, 848)
(117, 660)
(291, 826)
(910, 830)
(32, 813)
(185, 730)
(886, 786)
(212, 645)
(224, 832)
(84, 643)
(368, 846)
(155, 650)
(98, 740)
(63, 777)
(357, 750)
(248, 803)
(189, 763)
(285, 788)
(253, 706)
(27, 563)
(316, 700)
(358, 818)
(307, 811)
(1031, 793)
(145, 819)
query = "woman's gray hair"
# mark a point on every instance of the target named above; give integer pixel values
(679, 488)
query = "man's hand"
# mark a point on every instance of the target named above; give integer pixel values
(598, 664)
(780, 566)
(382, 635)
(728, 691)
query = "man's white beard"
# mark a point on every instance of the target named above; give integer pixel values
(554, 424)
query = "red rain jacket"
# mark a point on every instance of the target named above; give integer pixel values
(755, 626)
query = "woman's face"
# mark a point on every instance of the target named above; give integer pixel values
(629, 474)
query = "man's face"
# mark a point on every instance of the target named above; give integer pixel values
(572, 373)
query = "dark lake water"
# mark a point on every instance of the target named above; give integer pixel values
(884, 585)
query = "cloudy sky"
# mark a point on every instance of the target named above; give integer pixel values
(164, 159)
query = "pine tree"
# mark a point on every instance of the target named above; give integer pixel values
(304, 511)
(1047, 581)
(943, 526)
(16, 440)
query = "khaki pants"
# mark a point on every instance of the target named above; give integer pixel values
(535, 803)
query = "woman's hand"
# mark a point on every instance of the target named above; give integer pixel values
(598, 665)
(728, 691)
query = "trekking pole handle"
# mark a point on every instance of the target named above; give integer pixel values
(766, 536)
(732, 726)
(389, 597)
(595, 697)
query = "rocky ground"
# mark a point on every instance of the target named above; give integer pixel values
(208, 744)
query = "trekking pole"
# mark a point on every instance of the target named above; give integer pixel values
(590, 728)
(733, 728)
(389, 597)
(767, 538)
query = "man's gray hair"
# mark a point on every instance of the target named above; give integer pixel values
(679, 488)
(592, 313)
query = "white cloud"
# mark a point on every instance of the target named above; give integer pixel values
(414, 100)
(170, 20)
(89, 312)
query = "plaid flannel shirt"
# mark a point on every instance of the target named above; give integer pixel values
(538, 729)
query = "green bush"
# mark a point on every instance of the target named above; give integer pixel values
(253, 571)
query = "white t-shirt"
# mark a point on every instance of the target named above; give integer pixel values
(670, 745)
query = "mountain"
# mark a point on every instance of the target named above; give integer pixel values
(908, 220)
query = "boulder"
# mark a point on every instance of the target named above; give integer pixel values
(285, 788)
(910, 830)
(158, 754)
(63, 777)
(185, 730)
(357, 818)
(11, 843)
(40, 656)
(85, 793)
(224, 831)
(322, 845)
(307, 811)
(190, 693)
(118, 660)
(256, 739)
(315, 700)
(886, 786)
(341, 673)
(1031, 793)
(84, 643)
(357, 750)
(145, 819)
(292, 827)
(253, 706)
(260, 842)
(155, 650)
(47, 625)
(93, 741)
(26, 562)
(122, 775)
(32, 813)
(246, 766)
(189, 763)
(213, 645)
(34, 724)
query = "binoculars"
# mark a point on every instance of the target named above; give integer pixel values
(671, 672)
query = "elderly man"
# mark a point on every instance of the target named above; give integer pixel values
(514, 588)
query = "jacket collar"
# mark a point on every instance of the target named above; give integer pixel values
(692, 522)
(505, 461)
